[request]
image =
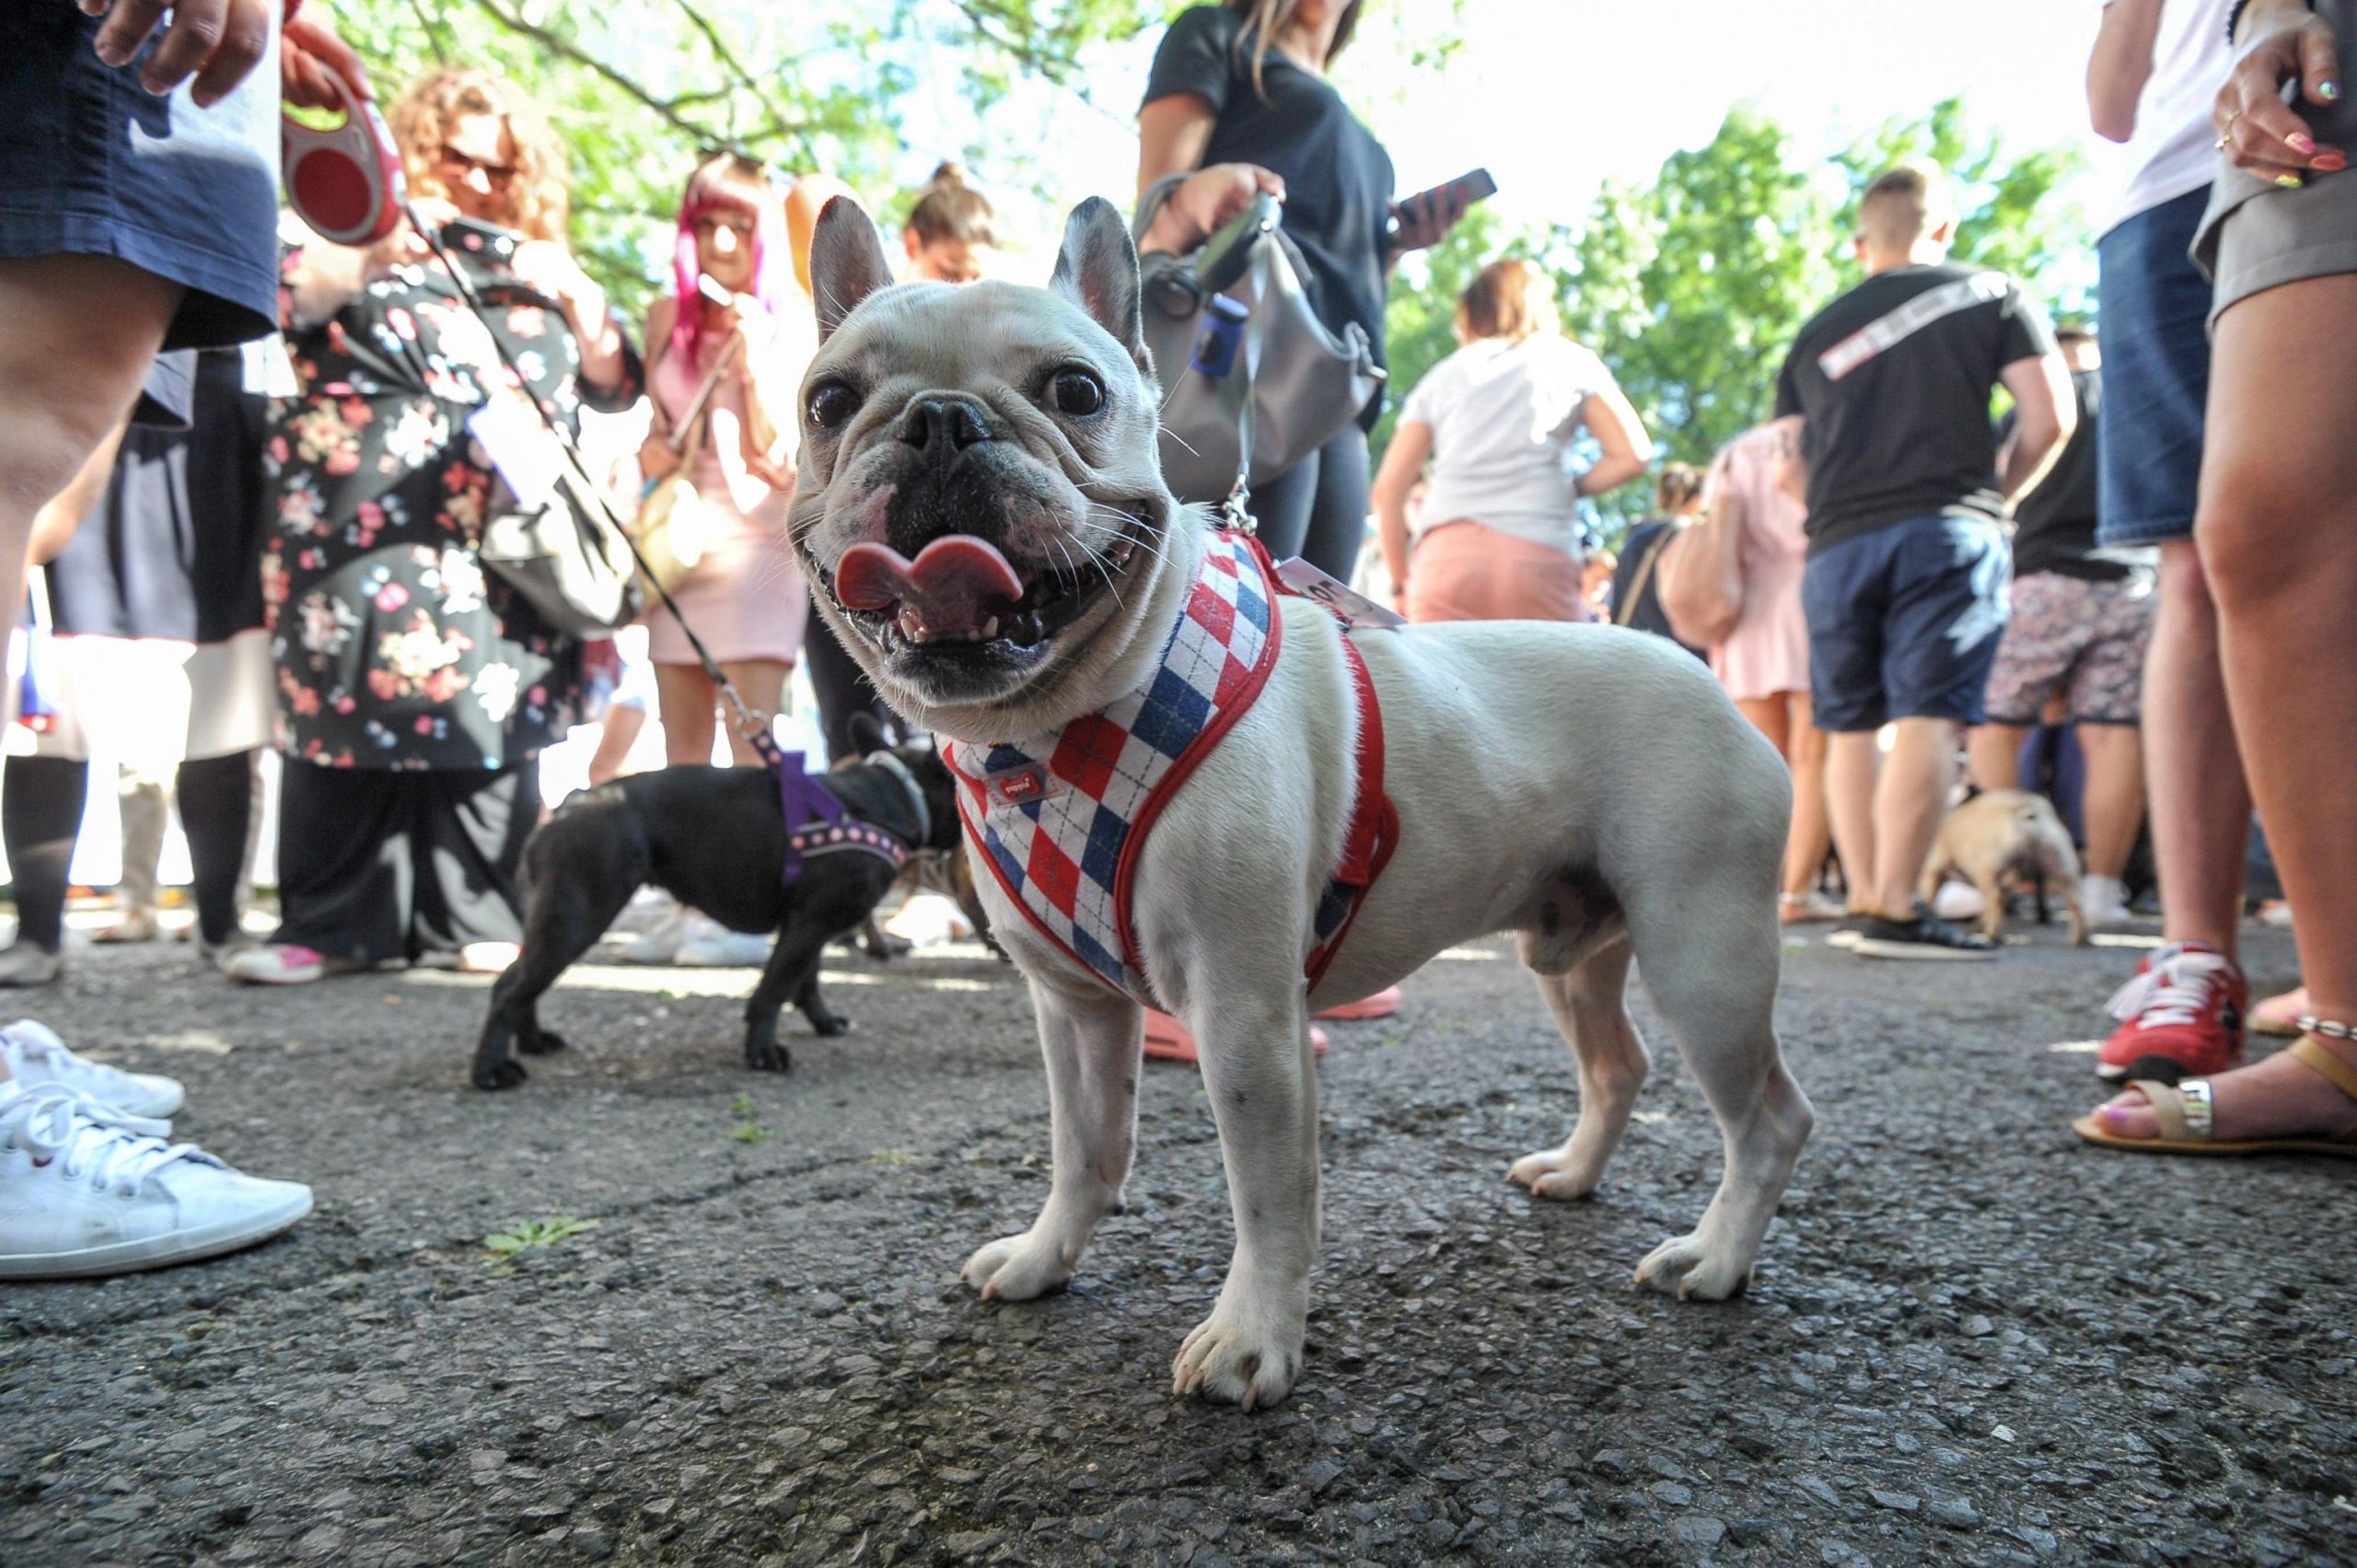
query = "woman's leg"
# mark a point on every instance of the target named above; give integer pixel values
(1337, 527)
(1811, 839)
(1769, 716)
(615, 739)
(40, 816)
(344, 885)
(842, 687)
(217, 804)
(471, 833)
(2276, 532)
(761, 682)
(687, 698)
(1281, 509)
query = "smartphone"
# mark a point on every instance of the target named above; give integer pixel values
(1467, 189)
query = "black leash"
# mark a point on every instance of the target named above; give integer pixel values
(750, 724)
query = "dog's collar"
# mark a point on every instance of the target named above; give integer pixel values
(923, 839)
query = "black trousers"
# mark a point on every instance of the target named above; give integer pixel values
(842, 687)
(40, 817)
(1317, 509)
(376, 864)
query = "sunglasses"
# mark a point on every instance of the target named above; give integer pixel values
(498, 174)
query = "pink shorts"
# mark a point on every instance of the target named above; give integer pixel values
(1469, 571)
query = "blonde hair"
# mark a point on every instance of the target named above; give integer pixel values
(951, 209)
(421, 120)
(1266, 20)
(1905, 201)
(1509, 298)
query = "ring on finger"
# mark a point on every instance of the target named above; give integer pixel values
(2227, 128)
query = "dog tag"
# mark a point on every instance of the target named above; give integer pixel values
(1353, 607)
(1019, 786)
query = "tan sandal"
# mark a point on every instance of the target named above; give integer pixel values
(2184, 1112)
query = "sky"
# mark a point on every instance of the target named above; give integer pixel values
(1553, 96)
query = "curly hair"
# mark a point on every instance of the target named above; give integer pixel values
(421, 120)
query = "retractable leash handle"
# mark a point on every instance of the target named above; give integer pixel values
(345, 182)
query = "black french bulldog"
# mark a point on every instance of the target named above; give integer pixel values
(717, 840)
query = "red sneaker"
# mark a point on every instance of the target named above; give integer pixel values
(2180, 1018)
(1167, 1039)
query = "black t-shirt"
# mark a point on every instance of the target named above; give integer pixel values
(1894, 380)
(2054, 528)
(1337, 178)
(1640, 552)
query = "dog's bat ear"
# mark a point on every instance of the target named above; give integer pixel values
(846, 263)
(1098, 270)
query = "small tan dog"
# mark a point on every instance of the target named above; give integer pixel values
(2001, 841)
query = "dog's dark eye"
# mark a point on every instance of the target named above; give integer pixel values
(832, 403)
(1076, 392)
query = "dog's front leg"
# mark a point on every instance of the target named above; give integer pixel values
(1093, 1043)
(1260, 1072)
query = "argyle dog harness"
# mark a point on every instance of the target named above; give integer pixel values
(1063, 817)
(816, 822)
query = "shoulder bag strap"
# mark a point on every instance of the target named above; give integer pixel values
(1628, 601)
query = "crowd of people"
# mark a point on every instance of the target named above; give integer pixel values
(268, 533)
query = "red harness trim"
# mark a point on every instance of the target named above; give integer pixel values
(1375, 820)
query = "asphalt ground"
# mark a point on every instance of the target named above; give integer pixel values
(1970, 1339)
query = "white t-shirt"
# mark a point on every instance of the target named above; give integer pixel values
(1504, 416)
(2173, 149)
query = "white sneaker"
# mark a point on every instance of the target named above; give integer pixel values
(1959, 901)
(2103, 901)
(29, 963)
(660, 943)
(36, 1056)
(87, 1189)
(725, 949)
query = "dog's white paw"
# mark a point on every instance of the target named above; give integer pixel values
(1551, 1173)
(1240, 1356)
(1018, 1268)
(1687, 1268)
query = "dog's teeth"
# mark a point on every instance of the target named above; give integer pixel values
(990, 630)
(911, 627)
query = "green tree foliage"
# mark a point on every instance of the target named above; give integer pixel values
(642, 89)
(1692, 286)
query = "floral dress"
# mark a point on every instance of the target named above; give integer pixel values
(394, 647)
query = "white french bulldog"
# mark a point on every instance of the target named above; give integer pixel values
(982, 512)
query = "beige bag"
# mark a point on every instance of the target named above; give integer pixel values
(676, 525)
(1700, 570)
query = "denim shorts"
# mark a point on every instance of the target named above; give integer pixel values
(2156, 313)
(1903, 622)
(91, 164)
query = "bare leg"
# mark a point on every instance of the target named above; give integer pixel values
(2114, 807)
(1853, 763)
(1996, 752)
(686, 696)
(1911, 798)
(2201, 804)
(1812, 835)
(761, 682)
(2278, 534)
(77, 334)
(1093, 1044)
(615, 737)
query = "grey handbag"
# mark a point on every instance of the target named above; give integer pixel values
(1252, 381)
(563, 551)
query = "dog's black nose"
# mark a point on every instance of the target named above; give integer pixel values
(957, 423)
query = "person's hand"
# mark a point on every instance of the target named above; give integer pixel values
(655, 459)
(2260, 133)
(218, 41)
(1205, 199)
(1426, 219)
(311, 56)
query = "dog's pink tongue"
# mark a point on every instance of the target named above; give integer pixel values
(956, 584)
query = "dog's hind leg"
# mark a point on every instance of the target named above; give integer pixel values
(1709, 952)
(792, 972)
(1093, 1044)
(1590, 1004)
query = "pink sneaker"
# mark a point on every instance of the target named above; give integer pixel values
(275, 963)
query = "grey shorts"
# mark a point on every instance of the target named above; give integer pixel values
(2257, 236)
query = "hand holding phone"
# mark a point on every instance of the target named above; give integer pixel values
(1426, 218)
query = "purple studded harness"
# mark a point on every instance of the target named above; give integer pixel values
(817, 821)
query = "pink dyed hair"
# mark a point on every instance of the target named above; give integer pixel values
(727, 181)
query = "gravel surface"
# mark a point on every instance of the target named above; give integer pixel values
(1969, 1339)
